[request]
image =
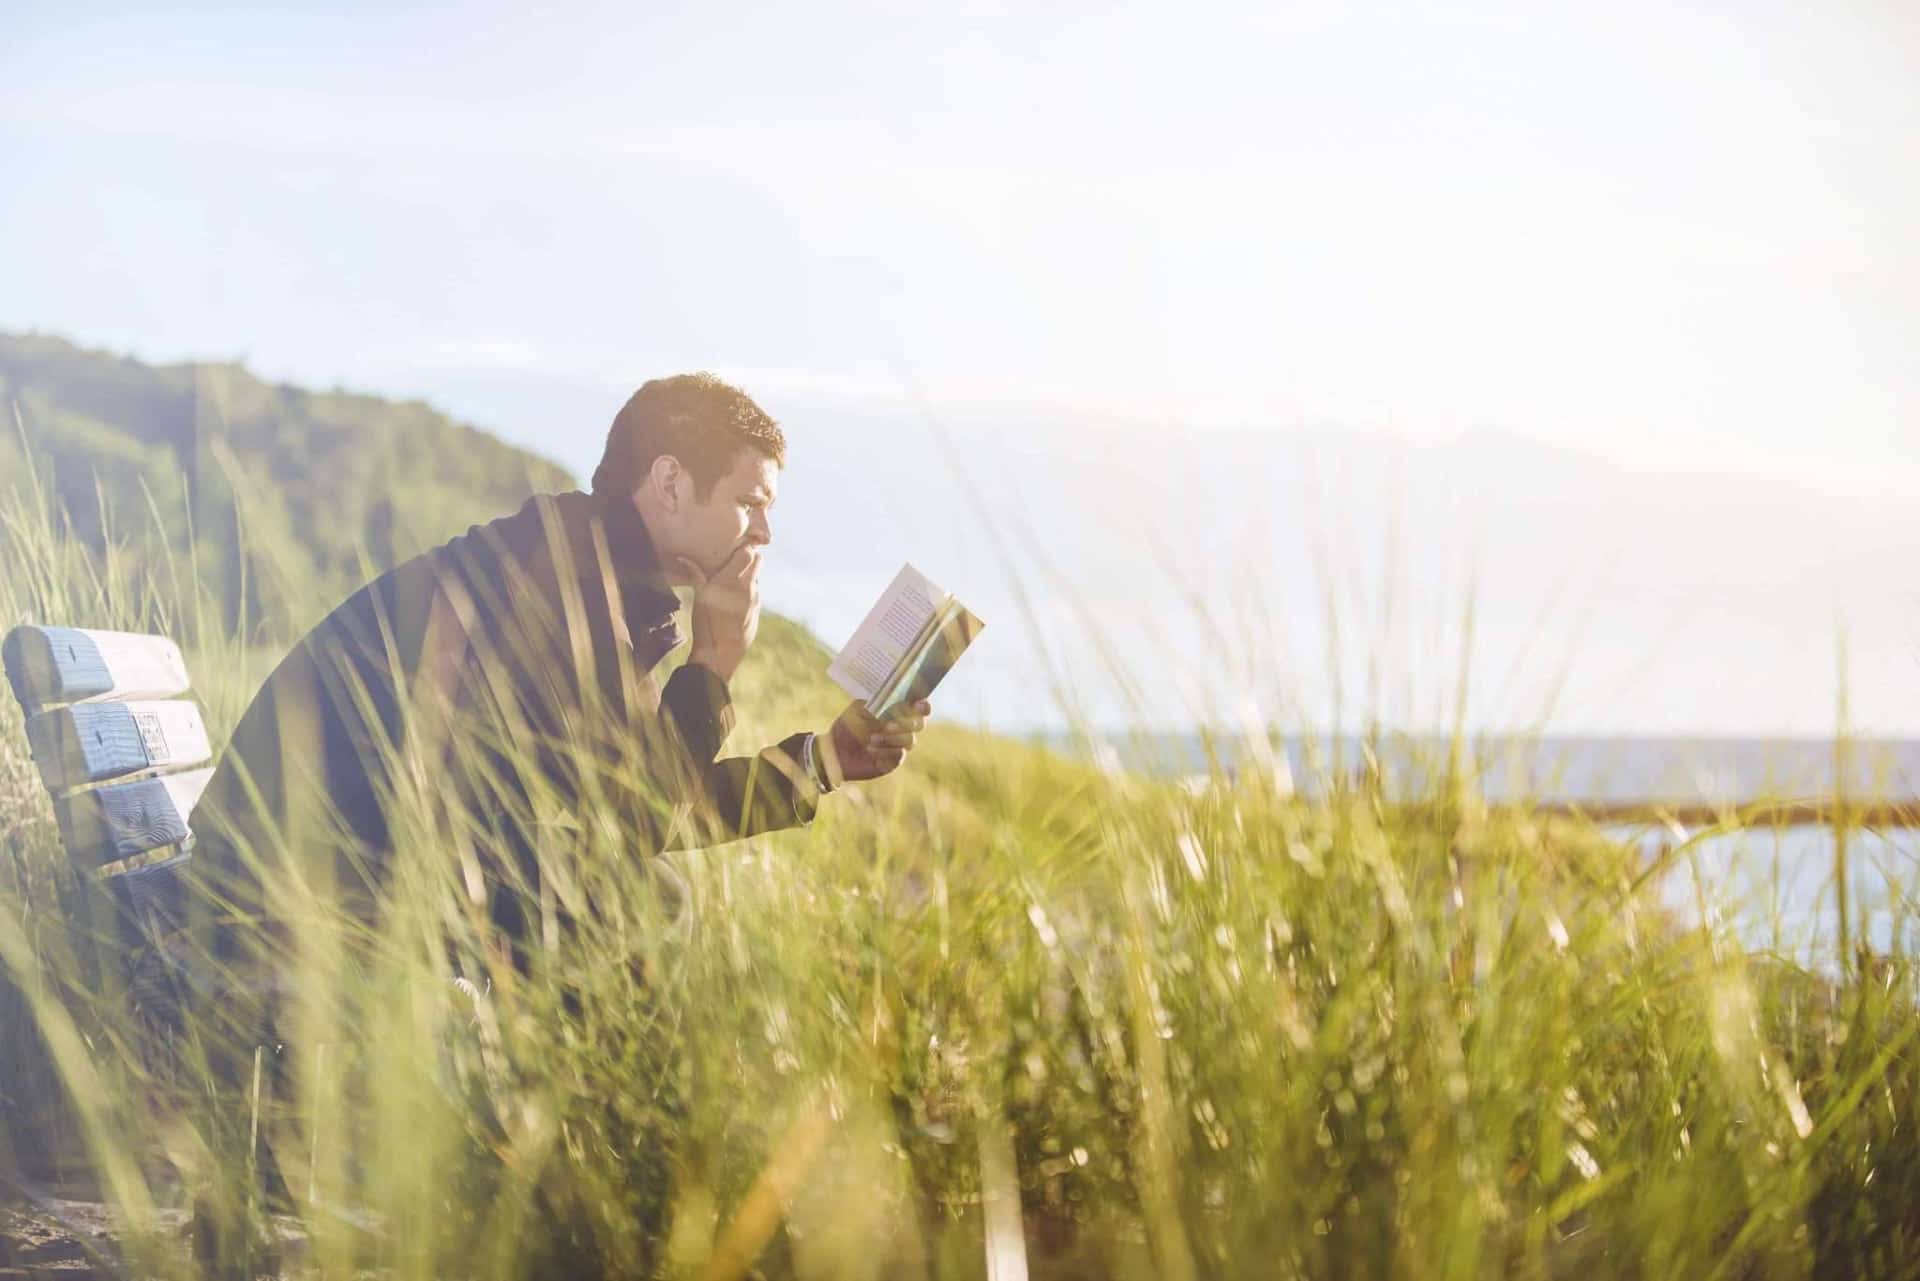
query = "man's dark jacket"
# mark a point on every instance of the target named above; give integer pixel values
(508, 673)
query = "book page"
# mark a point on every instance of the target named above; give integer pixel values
(887, 634)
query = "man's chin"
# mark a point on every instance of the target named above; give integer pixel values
(709, 566)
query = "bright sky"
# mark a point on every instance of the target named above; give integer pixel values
(1670, 243)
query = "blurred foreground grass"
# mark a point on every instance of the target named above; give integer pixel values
(1212, 1031)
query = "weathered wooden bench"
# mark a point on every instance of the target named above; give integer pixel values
(123, 756)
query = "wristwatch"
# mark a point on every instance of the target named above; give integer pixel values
(816, 767)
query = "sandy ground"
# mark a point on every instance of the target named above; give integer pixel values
(54, 1237)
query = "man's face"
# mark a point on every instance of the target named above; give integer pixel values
(732, 515)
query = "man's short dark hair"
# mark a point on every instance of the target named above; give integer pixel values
(698, 419)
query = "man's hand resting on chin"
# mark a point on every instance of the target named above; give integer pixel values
(726, 610)
(860, 747)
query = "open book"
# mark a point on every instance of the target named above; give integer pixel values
(908, 641)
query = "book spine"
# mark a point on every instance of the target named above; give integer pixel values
(903, 671)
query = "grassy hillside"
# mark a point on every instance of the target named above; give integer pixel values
(323, 483)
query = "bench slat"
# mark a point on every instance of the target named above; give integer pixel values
(109, 824)
(73, 665)
(92, 742)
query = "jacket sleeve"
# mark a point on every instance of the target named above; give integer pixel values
(739, 795)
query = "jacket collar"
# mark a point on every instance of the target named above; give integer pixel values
(636, 564)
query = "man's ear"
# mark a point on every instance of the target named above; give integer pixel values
(666, 476)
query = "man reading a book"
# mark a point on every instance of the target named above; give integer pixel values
(488, 710)
(507, 675)
(698, 463)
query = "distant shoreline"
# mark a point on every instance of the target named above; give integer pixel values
(1548, 769)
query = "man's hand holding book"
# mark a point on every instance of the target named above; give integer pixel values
(861, 746)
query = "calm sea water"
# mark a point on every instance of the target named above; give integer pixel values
(1775, 886)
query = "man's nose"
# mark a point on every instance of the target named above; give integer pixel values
(758, 530)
